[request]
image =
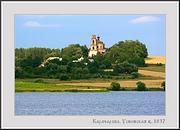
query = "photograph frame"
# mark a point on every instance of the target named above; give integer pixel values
(9, 9)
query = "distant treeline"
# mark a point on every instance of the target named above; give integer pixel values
(123, 58)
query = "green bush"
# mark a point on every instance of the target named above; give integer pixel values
(159, 64)
(125, 68)
(134, 75)
(164, 88)
(163, 85)
(64, 77)
(141, 86)
(123, 89)
(115, 86)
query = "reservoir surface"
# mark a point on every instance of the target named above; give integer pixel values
(102, 103)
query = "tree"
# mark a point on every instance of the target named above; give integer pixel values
(107, 63)
(64, 77)
(85, 51)
(139, 61)
(134, 75)
(129, 50)
(62, 69)
(99, 59)
(93, 67)
(51, 69)
(141, 86)
(125, 68)
(115, 86)
(39, 71)
(18, 72)
(54, 53)
(72, 52)
(31, 61)
(163, 85)
(31, 57)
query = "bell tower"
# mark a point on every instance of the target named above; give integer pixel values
(93, 42)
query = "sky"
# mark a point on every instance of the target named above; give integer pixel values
(58, 31)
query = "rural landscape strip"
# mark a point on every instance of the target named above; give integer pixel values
(153, 77)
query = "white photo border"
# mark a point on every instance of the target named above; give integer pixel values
(10, 9)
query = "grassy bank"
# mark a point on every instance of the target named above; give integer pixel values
(46, 87)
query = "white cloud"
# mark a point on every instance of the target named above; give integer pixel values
(34, 24)
(144, 19)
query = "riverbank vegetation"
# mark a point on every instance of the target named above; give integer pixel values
(46, 87)
(91, 85)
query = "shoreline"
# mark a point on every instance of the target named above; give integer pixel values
(78, 89)
(54, 85)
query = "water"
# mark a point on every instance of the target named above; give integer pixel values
(110, 103)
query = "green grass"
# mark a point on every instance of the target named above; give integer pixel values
(154, 68)
(46, 87)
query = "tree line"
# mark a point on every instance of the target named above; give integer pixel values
(120, 61)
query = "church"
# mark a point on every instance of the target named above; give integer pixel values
(96, 46)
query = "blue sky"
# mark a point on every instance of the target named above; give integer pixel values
(58, 31)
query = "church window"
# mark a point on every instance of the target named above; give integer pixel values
(93, 41)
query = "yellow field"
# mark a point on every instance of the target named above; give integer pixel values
(152, 73)
(155, 60)
(126, 84)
